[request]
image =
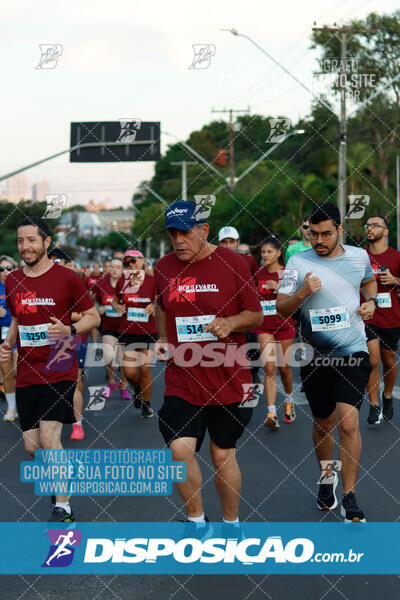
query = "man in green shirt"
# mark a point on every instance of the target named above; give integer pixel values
(305, 243)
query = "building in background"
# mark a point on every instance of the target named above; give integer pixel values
(40, 190)
(117, 220)
(75, 224)
(18, 188)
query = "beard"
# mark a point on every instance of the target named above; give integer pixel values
(376, 236)
(35, 260)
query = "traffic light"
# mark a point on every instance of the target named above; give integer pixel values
(221, 158)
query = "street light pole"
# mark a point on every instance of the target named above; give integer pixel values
(342, 155)
(183, 164)
(72, 149)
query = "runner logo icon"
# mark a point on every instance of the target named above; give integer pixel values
(62, 547)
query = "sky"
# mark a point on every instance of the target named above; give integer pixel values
(127, 59)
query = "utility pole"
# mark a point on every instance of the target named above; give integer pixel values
(344, 34)
(231, 142)
(183, 164)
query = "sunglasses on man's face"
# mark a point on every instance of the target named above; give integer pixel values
(128, 261)
(304, 226)
(2, 269)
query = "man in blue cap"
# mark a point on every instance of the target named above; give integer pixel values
(206, 303)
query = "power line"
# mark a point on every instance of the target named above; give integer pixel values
(344, 35)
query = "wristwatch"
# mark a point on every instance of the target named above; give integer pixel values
(73, 330)
(374, 299)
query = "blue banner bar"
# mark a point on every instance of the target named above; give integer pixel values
(175, 548)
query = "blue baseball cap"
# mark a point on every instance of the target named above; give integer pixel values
(181, 215)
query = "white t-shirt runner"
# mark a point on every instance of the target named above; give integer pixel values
(329, 319)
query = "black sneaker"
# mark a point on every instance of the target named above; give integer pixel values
(326, 495)
(375, 415)
(387, 410)
(147, 411)
(61, 515)
(137, 397)
(201, 531)
(349, 509)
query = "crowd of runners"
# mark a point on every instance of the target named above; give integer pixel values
(217, 315)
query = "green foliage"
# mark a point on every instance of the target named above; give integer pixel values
(11, 215)
(303, 171)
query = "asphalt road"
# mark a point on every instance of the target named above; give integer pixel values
(279, 484)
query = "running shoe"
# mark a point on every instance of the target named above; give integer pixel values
(326, 494)
(272, 421)
(350, 510)
(108, 391)
(201, 531)
(10, 416)
(77, 432)
(290, 414)
(98, 354)
(387, 410)
(147, 411)
(232, 531)
(375, 415)
(137, 397)
(125, 395)
(61, 515)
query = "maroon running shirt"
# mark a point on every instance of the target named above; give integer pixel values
(217, 285)
(251, 263)
(105, 293)
(271, 322)
(91, 281)
(32, 301)
(386, 317)
(136, 298)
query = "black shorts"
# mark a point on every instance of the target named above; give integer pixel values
(388, 338)
(324, 386)
(51, 402)
(143, 341)
(370, 333)
(81, 352)
(110, 332)
(225, 423)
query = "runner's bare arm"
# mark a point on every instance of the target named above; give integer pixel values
(161, 321)
(221, 327)
(76, 316)
(287, 305)
(161, 347)
(9, 342)
(369, 290)
(12, 335)
(119, 308)
(90, 320)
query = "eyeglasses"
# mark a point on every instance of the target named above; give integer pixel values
(305, 226)
(6, 269)
(374, 226)
(325, 235)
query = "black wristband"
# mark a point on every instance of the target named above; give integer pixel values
(73, 330)
(374, 299)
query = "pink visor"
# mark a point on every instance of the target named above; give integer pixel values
(134, 253)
